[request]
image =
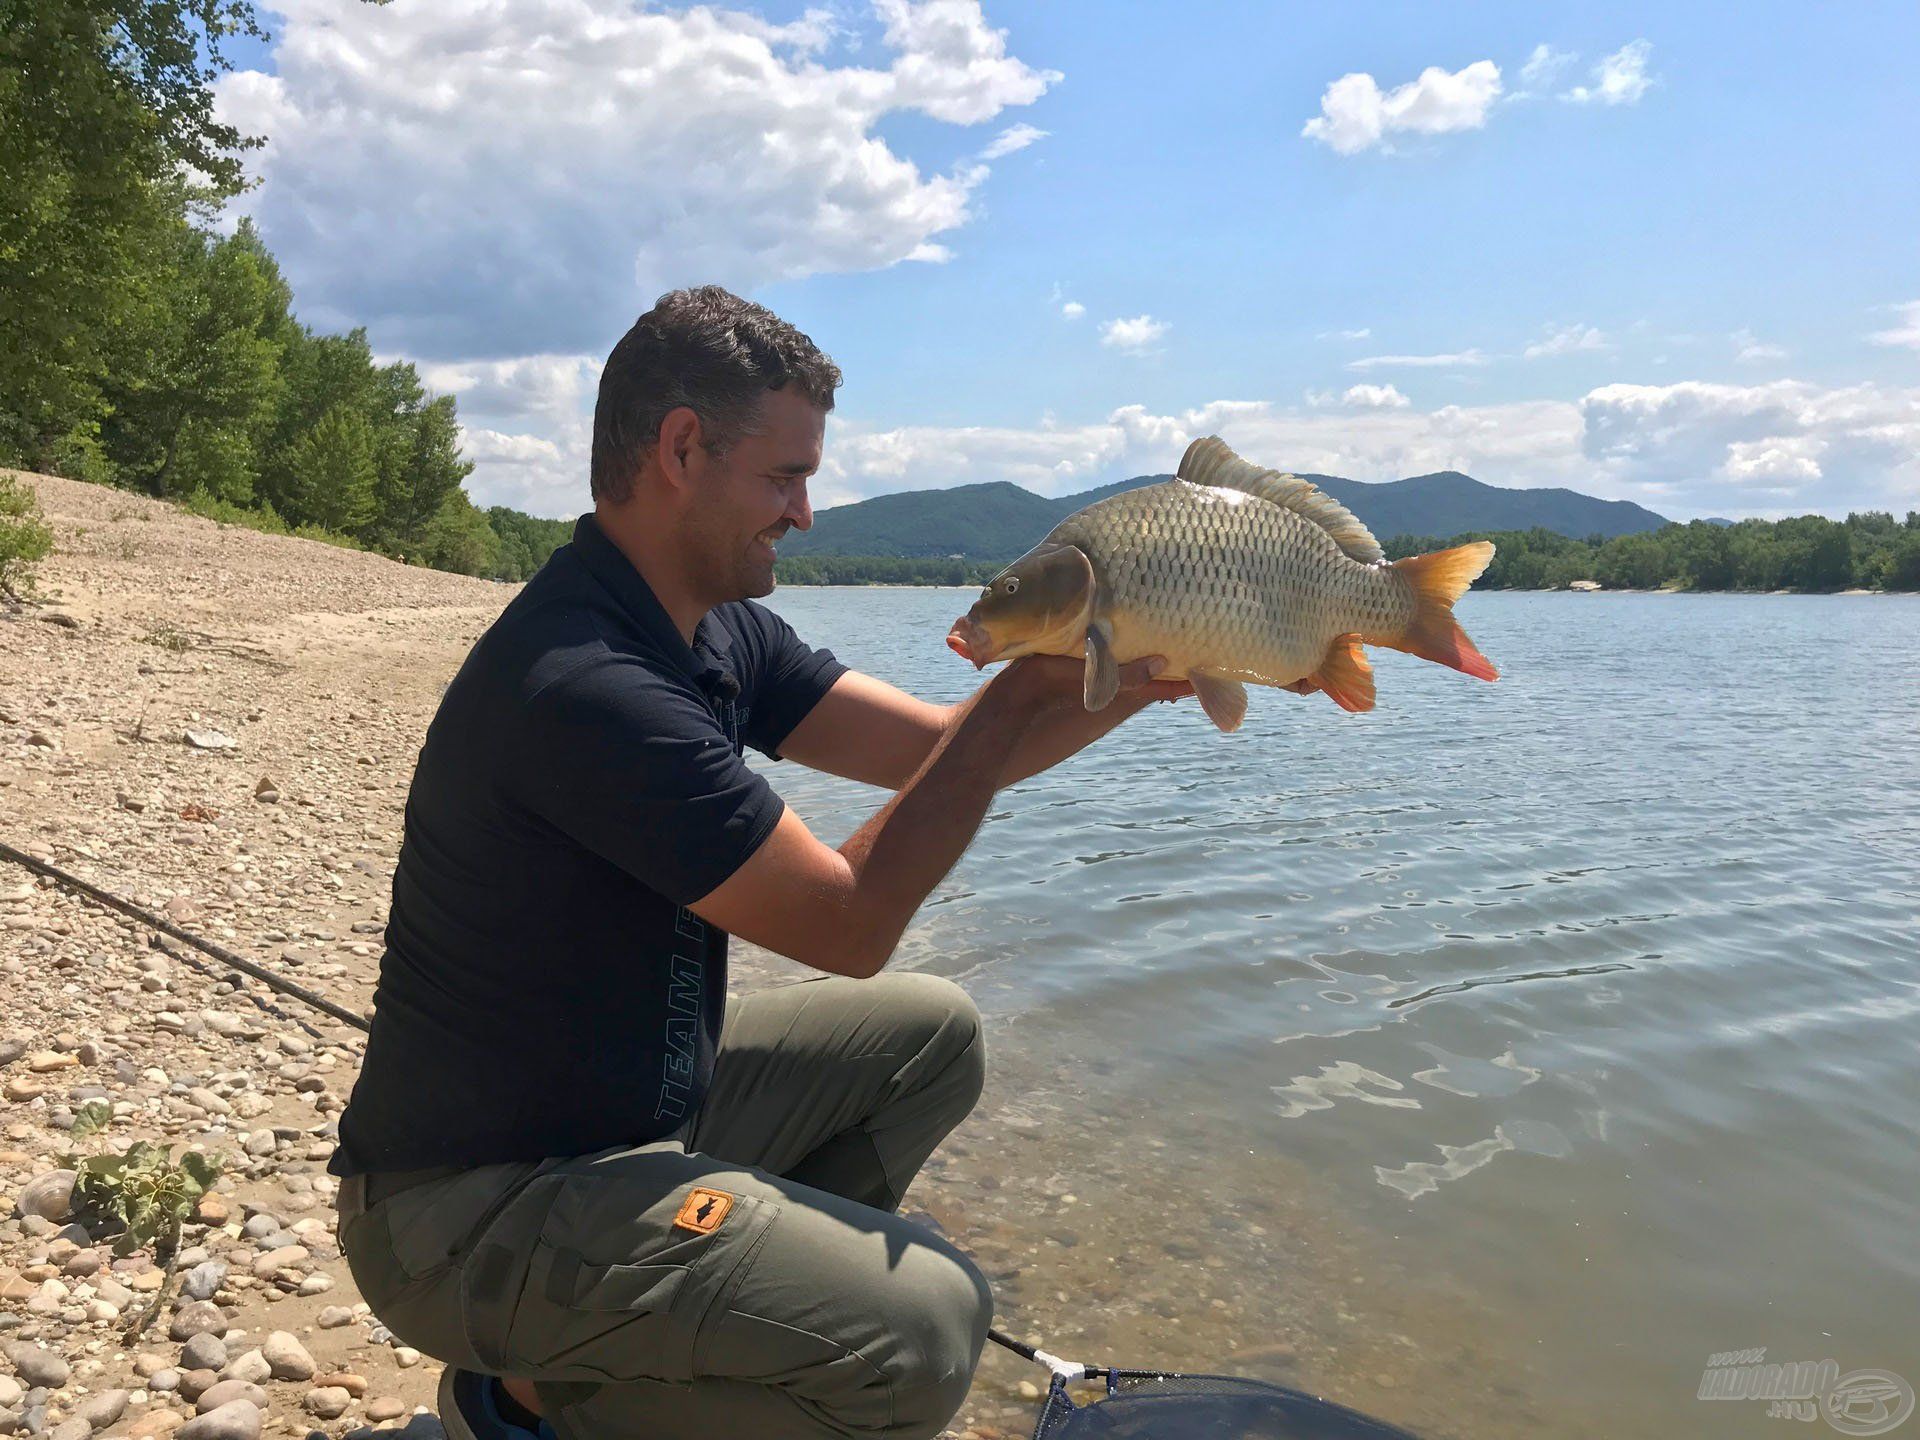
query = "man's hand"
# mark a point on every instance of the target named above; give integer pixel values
(1063, 726)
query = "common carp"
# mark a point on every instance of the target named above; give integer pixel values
(1235, 575)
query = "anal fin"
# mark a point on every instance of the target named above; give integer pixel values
(1346, 675)
(1224, 700)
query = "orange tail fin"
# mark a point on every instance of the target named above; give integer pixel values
(1438, 580)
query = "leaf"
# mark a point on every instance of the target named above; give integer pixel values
(201, 1170)
(92, 1118)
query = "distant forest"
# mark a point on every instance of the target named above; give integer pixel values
(1869, 551)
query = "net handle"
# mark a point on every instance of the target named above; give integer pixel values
(1063, 1370)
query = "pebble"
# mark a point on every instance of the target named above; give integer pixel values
(202, 1280)
(252, 1367)
(236, 1420)
(354, 1385)
(226, 1392)
(329, 1402)
(148, 1364)
(165, 1381)
(386, 1407)
(74, 1429)
(195, 1383)
(155, 1420)
(405, 1356)
(276, 1260)
(10, 1392)
(38, 1365)
(333, 1317)
(103, 1409)
(204, 1352)
(49, 1196)
(200, 1317)
(287, 1357)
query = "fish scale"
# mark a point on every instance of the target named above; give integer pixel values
(1222, 581)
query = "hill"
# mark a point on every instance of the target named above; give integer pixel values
(998, 521)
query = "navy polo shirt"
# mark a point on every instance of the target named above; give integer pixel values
(544, 989)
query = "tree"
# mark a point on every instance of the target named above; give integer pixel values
(333, 469)
(198, 375)
(420, 470)
(104, 105)
(459, 538)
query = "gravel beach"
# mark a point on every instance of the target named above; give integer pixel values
(220, 726)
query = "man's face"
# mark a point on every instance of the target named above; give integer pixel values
(754, 494)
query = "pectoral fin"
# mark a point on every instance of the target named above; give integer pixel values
(1103, 671)
(1225, 701)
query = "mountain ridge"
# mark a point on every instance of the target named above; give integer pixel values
(998, 520)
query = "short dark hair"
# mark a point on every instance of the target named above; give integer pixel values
(707, 349)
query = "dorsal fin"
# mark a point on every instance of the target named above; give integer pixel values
(1210, 462)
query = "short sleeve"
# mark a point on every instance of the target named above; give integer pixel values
(791, 681)
(637, 769)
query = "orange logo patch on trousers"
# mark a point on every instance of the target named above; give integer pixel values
(704, 1211)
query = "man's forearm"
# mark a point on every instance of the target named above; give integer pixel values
(906, 849)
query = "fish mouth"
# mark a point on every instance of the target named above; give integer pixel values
(970, 642)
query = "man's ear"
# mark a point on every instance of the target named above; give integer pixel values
(678, 450)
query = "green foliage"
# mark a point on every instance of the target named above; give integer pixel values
(333, 472)
(1806, 553)
(24, 539)
(145, 1190)
(526, 542)
(459, 539)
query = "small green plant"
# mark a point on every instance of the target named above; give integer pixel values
(24, 539)
(145, 1190)
(168, 637)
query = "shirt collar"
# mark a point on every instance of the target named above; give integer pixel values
(710, 653)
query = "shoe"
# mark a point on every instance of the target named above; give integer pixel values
(468, 1410)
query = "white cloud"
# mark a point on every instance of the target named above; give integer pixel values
(1014, 137)
(1135, 335)
(1691, 448)
(528, 175)
(1907, 332)
(1778, 457)
(1072, 309)
(1566, 340)
(1620, 79)
(1687, 449)
(1356, 115)
(1749, 348)
(1455, 359)
(1544, 66)
(1360, 334)
(1805, 445)
(1360, 397)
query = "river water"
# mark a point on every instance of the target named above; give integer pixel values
(1489, 1061)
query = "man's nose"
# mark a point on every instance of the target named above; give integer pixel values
(799, 508)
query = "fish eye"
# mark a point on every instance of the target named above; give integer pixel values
(1012, 583)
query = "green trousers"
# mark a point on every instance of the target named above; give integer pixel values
(746, 1277)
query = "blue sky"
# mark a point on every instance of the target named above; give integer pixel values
(1660, 253)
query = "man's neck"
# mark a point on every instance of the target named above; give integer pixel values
(651, 551)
